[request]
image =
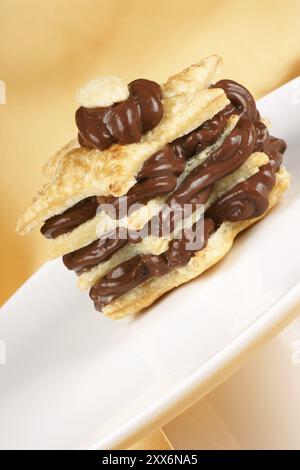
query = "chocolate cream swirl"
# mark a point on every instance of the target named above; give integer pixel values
(124, 122)
(71, 218)
(250, 198)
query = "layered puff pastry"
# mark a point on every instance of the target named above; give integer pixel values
(157, 185)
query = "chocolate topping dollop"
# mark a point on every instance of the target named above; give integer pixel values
(124, 122)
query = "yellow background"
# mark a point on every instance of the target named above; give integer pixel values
(50, 47)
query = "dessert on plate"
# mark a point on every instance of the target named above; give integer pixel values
(157, 185)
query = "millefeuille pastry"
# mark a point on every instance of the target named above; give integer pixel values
(158, 184)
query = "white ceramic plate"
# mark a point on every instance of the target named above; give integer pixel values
(74, 379)
(257, 408)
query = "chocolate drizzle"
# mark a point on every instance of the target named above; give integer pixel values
(124, 122)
